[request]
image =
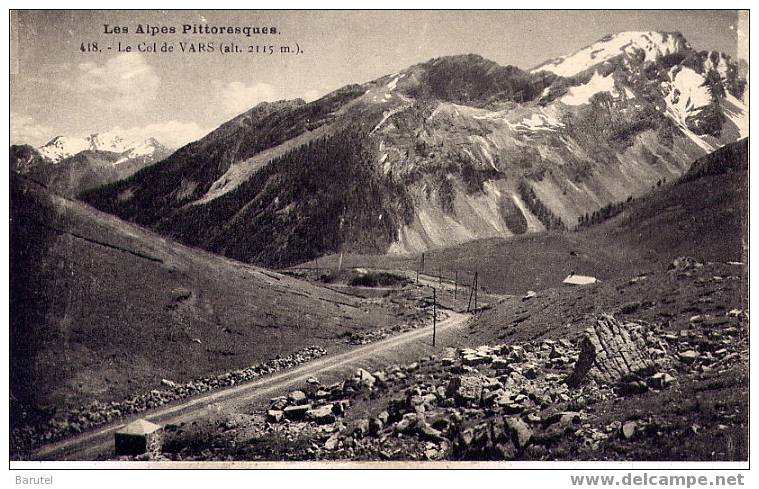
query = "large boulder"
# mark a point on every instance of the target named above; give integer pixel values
(362, 379)
(466, 390)
(274, 415)
(296, 412)
(611, 352)
(321, 415)
(297, 398)
(520, 432)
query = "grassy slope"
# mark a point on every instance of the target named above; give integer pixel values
(705, 218)
(101, 309)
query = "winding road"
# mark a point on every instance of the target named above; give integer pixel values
(404, 347)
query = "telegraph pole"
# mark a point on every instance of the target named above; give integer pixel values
(455, 284)
(434, 315)
(471, 295)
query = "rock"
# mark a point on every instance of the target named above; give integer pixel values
(416, 403)
(274, 415)
(506, 451)
(340, 407)
(332, 442)
(433, 453)
(519, 430)
(168, 383)
(660, 380)
(632, 388)
(297, 397)
(364, 379)
(465, 390)
(682, 263)
(500, 364)
(407, 423)
(449, 353)
(688, 356)
(734, 313)
(380, 377)
(556, 352)
(491, 397)
(531, 294)
(312, 386)
(475, 359)
(296, 412)
(375, 426)
(360, 428)
(609, 352)
(628, 429)
(322, 414)
(427, 432)
(564, 419)
(530, 372)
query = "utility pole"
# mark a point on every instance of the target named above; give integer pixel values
(422, 262)
(417, 275)
(471, 295)
(476, 286)
(434, 315)
(440, 277)
(455, 284)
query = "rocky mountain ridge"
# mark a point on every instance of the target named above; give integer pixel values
(446, 151)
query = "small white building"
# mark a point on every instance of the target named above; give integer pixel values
(574, 279)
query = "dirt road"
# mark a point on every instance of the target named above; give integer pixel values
(406, 347)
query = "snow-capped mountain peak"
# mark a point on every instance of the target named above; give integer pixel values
(62, 147)
(109, 142)
(649, 44)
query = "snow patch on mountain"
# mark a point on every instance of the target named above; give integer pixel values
(651, 44)
(688, 93)
(485, 148)
(386, 115)
(394, 83)
(536, 122)
(581, 94)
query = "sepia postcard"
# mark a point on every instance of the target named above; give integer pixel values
(378, 238)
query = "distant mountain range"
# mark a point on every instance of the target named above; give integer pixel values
(62, 147)
(446, 151)
(70, 166)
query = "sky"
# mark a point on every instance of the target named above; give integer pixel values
(58, 89)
